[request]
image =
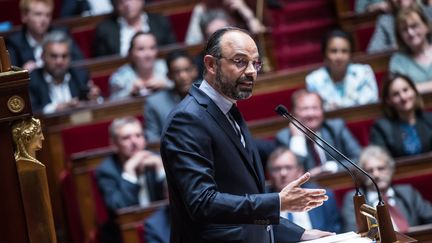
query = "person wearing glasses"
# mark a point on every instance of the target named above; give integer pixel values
(339, 82)
(214, 173)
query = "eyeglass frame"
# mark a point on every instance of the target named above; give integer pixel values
(241, 62)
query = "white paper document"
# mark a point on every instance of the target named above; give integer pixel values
(351, 237)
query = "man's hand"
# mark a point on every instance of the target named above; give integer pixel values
(315, 234)
(296, 199)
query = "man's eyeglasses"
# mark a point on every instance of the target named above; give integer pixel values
(242, 63)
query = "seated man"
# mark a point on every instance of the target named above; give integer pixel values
(283, 168)
(131, 176)
(405, 204)
(307, 107)
(25, 46)
(113, 35)
(57, 86)
(182, 71)
(134, 175)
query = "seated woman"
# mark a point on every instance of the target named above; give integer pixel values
(384, 37)
(143, 74)
(414, 58)
(405, 128)
(341, 83)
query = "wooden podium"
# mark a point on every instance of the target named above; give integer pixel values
(25, 206)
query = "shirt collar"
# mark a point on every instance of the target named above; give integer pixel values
(372, 196)
(221, 101)
(32, 41)
(123, 23)
(50, 80)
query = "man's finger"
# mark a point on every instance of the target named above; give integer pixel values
(301, 180)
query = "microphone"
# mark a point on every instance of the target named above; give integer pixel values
(358, 198)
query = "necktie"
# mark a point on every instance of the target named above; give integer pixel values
(397, 216)
(290, 217)
(235, 114)
(314, 152)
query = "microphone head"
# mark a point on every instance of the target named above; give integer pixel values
(281, 110)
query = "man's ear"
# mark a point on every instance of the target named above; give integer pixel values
(210, 64)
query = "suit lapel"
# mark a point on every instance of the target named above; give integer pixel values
(225, 125)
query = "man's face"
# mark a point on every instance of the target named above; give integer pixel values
(129, 140)
(308, 110)
(235, 72)
(380, 171)
(284, 170)
(129, 9)
(183, 72)
(56, 57)
(144, 51)
(37, 18)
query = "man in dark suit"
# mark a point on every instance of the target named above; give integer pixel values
(113, 35)
(25, 46)
(56, 86)
(131, 176)
(283, 167)
(307, 107)
(214, 174)
(406, 205)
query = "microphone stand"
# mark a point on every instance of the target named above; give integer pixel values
(381, 214)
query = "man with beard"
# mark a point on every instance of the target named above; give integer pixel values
(56, 86)
(406, 205)
(214, 174)
(307, 107)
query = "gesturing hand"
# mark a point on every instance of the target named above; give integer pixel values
(296, 199)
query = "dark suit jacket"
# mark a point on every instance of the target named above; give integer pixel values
(107, 40)
(39, 89)
(387, 134)
(118, 192)
(156, 109)
(410, 202)
(216, 186)
(20, 50)
(335, 132)
(157, 227)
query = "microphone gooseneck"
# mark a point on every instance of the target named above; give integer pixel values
(283, 111)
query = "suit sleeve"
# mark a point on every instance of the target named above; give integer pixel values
(333, 213)
(152, 125)
(376, 136)
(188, 156)
(350, 143)
(117, 192)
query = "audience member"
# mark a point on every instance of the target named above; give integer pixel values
(307, 107)
(384, 37)
(403, 198)
(405, 128)
(283, 167)
(182, 71)
(57, 86)
(371, 6)
(114, 34)
(143, 74)
(242, 14)
(25, 46)
(341, 83)
(213, 20)
(131, 176)
(414, 58)
(85, 7)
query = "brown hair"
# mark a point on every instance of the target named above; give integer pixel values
(300, 93)
(401, 19)
(390, 111)
(25, 4)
